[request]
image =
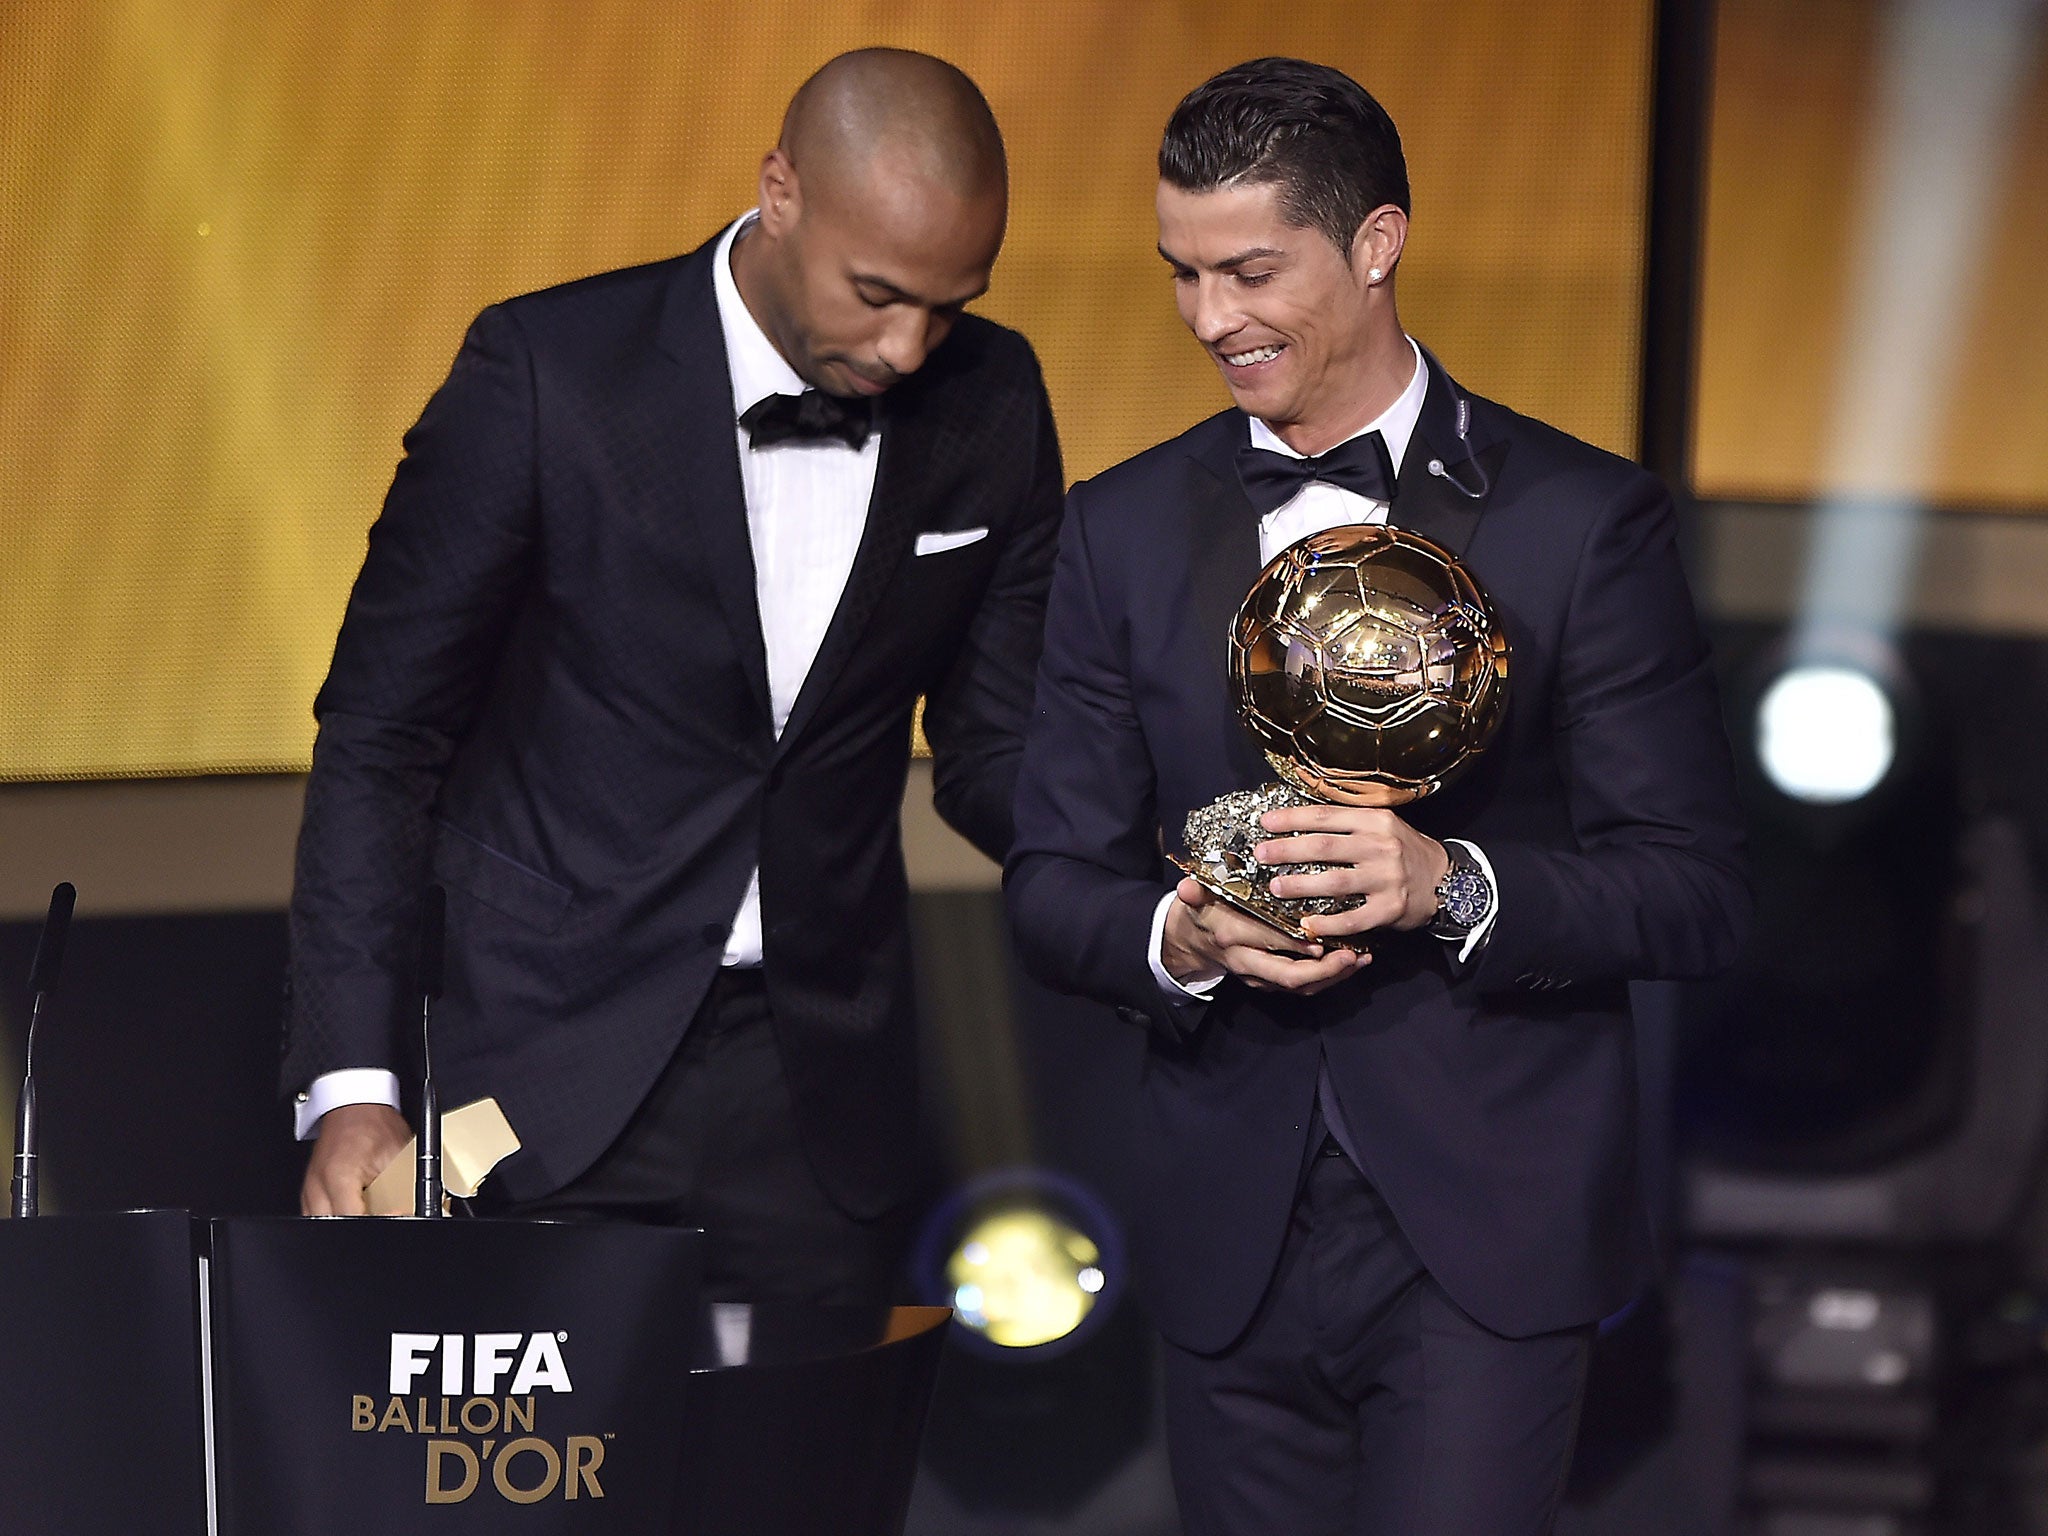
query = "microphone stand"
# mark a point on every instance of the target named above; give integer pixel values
(24, 1189)
(427, 1189)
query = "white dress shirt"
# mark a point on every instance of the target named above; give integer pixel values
(807, 507)
(1316, 506)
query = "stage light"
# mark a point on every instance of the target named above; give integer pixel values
(1826, 733)
(1024, 1278)
(1027, 1259)
(1046, 1396)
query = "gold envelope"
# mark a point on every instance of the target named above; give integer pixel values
(474, 1139)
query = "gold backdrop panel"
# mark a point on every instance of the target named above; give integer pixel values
(1799, 128)
(240, 239)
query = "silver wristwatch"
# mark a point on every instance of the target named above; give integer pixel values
(1463, 897)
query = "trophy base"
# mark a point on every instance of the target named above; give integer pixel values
(1249, 903)
(1222, 841)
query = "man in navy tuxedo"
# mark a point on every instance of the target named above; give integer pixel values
(1382, 1198)
(630, 669)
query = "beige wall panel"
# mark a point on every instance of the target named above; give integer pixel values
(225, 844)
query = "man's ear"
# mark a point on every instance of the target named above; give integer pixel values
(1381, 237)
(780, 197)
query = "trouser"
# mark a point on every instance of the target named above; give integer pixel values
(1361, 1400)
(715, 1145)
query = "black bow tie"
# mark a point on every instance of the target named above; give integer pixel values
(1360, 465)
(810, 417)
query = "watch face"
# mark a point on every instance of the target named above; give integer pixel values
(1461, 899)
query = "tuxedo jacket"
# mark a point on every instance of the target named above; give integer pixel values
(550, 695)
(1492, 1102)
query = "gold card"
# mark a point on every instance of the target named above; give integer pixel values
(474, 1139)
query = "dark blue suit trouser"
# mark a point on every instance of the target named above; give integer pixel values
(1361, 1401)
(715, 1145)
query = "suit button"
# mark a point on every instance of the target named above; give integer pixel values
(1135, 1016)
(713, 935)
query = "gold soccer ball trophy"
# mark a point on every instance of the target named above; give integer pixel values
(1370, 668)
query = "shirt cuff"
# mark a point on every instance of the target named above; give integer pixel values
(1468, 946)
(331, 1090)
(1200, 991)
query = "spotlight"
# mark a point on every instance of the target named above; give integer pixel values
(1828, 1049)
(1826, 733)
(1024, 1278)
(1046, 1394)
(1027, 1259)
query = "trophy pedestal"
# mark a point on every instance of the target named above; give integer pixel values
(1220, 839)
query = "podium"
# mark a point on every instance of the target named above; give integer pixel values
(291, 1376)
(101, 1387)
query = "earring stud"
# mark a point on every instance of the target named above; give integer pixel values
(1374, 274)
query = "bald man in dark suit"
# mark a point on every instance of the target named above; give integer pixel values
(630, 669)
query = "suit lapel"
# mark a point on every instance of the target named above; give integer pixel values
(884, 545)
(1223, 533)
(699, 519)
(1432, 504)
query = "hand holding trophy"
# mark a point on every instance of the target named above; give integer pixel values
(1371, 669)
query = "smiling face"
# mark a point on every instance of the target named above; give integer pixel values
(1305, 336)
(856, 286)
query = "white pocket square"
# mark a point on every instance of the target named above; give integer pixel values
(939, 543)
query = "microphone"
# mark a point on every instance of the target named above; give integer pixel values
(433, 963)
(1437, 467)
(433, 959)
(24, 1187)
(49, 960)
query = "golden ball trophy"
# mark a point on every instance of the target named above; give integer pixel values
(1371, 669)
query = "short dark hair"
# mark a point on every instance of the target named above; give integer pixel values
(1313, 130)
